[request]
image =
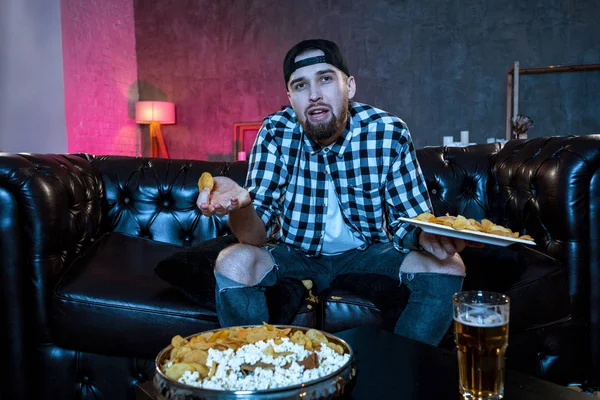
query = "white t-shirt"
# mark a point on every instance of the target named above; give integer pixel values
(338, 236)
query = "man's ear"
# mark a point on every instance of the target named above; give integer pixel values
(351, 87)
(289, 97)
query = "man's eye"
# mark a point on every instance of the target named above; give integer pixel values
(326, 78)
(299, 86)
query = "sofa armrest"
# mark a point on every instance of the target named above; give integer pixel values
(51, 211)
(549, 188)
(535, 282)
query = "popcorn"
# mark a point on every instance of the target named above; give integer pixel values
(254, 358)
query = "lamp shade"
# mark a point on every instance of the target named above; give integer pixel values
(154, 111)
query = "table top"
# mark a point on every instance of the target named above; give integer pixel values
(391, 365)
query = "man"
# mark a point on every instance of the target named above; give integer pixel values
(328, 180)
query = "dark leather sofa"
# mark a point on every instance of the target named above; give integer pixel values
(84, 314)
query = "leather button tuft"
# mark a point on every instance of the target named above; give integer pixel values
(187, 238)
(165, 203)
(433, 191)
(85, 379)
(126, 200)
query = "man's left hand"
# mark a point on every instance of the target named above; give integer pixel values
(444, 247)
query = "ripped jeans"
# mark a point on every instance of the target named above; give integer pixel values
(426, 317)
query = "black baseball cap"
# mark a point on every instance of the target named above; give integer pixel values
(332, 56)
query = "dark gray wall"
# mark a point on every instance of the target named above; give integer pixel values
(439, 65)
(442, 65)
(32, 106)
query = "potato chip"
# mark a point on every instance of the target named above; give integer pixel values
(462, 223)
(473, 225)
(335, 347)
(486, 224)
(308, 284)
(196, 356)
(316, 337)
(425, 217)
(178, 341)
(206, 181)
(445, 220)
(175, 371)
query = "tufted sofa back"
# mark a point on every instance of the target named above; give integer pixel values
(156, 198)
(550, 188)
(458, 178)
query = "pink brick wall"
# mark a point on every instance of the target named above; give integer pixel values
(100, 74)
(217, 61)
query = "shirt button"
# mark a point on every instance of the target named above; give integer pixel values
(326, 149)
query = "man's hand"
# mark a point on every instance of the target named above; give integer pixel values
(225, 196)
(444, 247)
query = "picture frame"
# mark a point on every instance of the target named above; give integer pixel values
(244, 134)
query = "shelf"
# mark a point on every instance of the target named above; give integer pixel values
(512, 85)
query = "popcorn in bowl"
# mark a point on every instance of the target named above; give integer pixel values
(259, 359)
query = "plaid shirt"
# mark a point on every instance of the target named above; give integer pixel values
(373, 166)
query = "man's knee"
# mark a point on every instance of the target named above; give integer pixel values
(416, 262)
(243, 263)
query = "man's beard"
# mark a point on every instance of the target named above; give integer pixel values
(323, 131)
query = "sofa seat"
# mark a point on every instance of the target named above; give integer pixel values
(110, 301)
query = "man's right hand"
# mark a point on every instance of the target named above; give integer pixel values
(225, 196)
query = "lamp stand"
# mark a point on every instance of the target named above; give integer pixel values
(157, 142)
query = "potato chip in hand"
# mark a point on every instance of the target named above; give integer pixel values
(205, 181)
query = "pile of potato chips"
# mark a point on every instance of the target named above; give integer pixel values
(191, 355)
(469, 224)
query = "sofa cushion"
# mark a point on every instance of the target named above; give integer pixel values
(362, 299)
(111, 301)
(191, 272)
(535, 283)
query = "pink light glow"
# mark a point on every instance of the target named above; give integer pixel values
(100, 76)
(154, 111)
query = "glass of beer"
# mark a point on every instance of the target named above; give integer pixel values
(481, 336)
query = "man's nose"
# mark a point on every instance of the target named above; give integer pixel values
(315, 93)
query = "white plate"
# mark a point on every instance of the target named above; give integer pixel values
(473, 236)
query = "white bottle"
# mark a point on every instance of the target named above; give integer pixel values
(464, 138)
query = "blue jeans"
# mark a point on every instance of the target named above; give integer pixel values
(427, 316)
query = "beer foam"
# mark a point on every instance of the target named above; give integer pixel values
(484, 320)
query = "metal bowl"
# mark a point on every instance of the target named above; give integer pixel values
(336, 385)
